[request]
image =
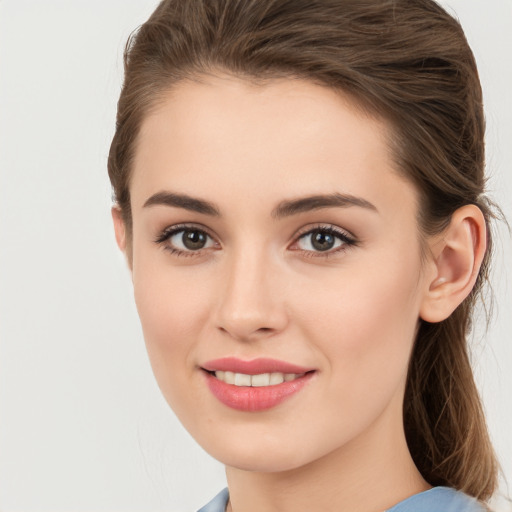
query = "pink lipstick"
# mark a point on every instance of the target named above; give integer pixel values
(255, 385)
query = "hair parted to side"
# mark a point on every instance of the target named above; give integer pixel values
(405, 61)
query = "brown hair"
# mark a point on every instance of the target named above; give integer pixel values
(406, 61)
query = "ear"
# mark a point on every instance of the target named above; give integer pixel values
(120, 232)
(119, 228)
(456, 259)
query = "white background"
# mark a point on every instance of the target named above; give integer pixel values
(82, 424)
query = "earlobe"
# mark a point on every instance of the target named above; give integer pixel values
(457, 257)
(119, 228)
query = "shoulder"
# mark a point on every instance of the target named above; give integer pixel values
(439, 499)
(218, 504)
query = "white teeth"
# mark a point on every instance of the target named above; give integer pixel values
(263, 379)
(241, 379)
(260, 380)
(276, 378)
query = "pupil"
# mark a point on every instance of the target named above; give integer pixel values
(194, 240)
(323, 241)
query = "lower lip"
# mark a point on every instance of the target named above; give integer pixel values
(253, 399)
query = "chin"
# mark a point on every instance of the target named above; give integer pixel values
(257, 460)
(260, 453)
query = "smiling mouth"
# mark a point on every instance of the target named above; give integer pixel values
(259, 380)
(255, 392)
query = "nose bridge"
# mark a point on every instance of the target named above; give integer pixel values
(251, 305)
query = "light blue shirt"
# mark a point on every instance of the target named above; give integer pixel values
(437, 499)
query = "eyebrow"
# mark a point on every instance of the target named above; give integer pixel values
(317, 202)
(183, 201)
(285, 208)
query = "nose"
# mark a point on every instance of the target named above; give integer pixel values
(251, 304)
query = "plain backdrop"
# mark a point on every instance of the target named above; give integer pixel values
(82, 424)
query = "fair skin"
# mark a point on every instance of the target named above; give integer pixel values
(255, 282)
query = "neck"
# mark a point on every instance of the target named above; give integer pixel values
(370, 474)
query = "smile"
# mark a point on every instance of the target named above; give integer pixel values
(256, 385)
(260, 380)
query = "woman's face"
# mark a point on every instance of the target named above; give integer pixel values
(273, 237)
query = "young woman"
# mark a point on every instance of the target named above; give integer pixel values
(299, 194)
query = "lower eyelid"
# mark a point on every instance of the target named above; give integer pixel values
(180, 253)
(325, 254)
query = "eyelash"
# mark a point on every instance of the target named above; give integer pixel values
(346, 239)
(169, 232)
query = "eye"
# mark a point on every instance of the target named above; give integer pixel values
(326, 240)
(182, 240)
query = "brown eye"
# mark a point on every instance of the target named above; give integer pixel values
(193, 239)
(181, 239)
(327, 240)
(322, 241)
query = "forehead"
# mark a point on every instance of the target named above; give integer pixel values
(286, 137)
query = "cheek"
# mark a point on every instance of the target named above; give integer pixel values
(364, 325)
(173, 310)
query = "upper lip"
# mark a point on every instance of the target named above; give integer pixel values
(254, 366)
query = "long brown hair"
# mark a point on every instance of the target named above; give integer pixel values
(405, 61)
